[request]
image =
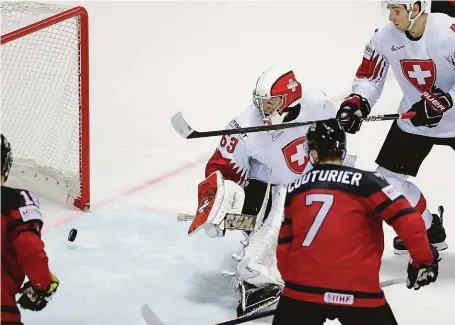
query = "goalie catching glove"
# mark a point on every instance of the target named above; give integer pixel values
(34, 299)
(217, 197)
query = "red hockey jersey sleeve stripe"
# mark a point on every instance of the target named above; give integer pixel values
(406, 222)
(399, 214)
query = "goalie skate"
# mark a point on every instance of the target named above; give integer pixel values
(254, 299)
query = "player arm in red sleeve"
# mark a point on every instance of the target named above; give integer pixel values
(284, 243)
(396, 210)
(30, 252)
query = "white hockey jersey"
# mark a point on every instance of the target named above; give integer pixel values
(417, 64)
(244, 156)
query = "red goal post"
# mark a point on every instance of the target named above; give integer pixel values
(45, 99)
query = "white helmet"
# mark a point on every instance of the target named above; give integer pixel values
(423, 7)
(276, 89)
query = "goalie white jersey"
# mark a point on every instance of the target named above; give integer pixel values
(244, 156)
(417, 64)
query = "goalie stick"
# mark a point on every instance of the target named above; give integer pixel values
(152, 319)
(185, 130)
(232, 221)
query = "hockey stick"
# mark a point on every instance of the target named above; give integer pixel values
(151, 318)
(232, 221)
(261, 213)
(185, 130)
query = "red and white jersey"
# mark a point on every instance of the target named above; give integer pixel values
(417, 65)
(244, 156)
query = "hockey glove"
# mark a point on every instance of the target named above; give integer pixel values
(352, 109)
(422, 275)
(34, 299)
(431, 108)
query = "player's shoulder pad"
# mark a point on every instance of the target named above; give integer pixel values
(384, 32)
(312, 96)
(315, 101)
(25, 202)
(315, 105)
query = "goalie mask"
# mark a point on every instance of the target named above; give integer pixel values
(7, 157)
(390, 4)
(276, 90)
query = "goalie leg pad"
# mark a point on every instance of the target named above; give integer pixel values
(259, 265)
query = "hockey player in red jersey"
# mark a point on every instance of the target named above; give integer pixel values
(331, 241)
(22, 249)
(238, 173)
(420, 49)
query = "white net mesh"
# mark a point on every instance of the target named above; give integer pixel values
(40, 108)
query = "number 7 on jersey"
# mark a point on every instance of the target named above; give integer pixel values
(327, 202)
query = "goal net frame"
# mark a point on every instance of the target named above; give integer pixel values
(37, 179)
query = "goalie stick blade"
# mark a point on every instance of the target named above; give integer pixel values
(149, 316)
(393, 281)
(180, 125)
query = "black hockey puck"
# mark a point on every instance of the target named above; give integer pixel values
(72, 235)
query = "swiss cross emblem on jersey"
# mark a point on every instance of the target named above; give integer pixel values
(292, 85)
(420, 73)
(295, 155)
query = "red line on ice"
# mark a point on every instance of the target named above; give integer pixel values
(164, 177)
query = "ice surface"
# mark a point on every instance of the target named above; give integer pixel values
(152, 59)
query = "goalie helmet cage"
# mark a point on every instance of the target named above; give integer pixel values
(45, 99)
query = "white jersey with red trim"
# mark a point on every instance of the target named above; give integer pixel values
(417, 65)
(244, 156)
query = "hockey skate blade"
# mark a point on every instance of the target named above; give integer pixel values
(441, 246)
(149, 316)
(400, 252)
(179, 124)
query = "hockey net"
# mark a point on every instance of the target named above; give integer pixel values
(44, 99)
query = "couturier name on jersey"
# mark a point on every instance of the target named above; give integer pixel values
(327, 175)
